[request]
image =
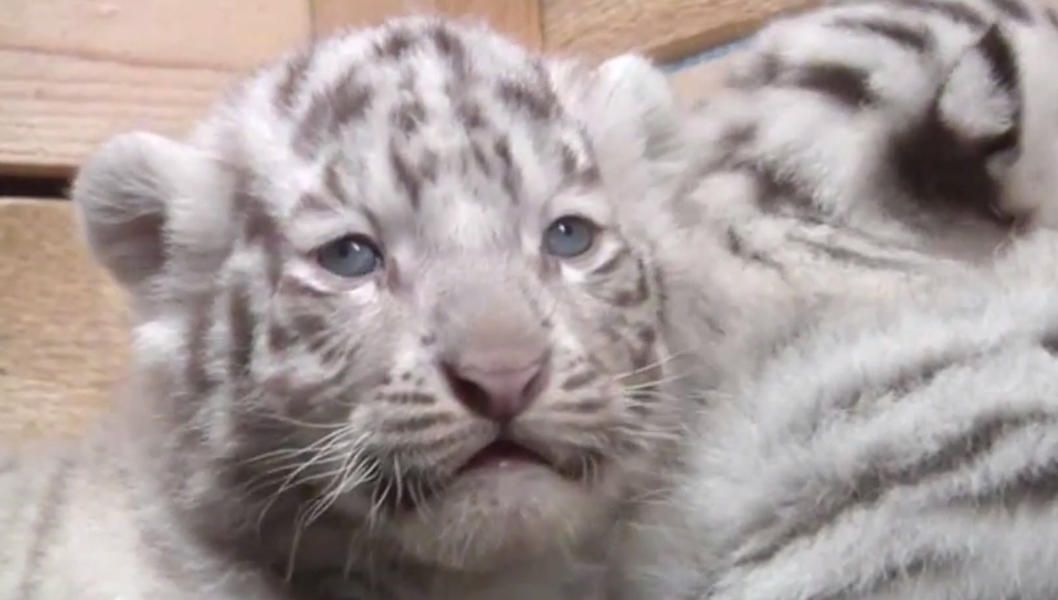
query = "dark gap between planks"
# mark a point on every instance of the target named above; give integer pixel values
(19, 186)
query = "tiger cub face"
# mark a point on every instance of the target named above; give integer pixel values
(405, 279)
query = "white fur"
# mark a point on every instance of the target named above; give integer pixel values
(792, 438)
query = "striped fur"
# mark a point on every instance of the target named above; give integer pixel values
(290, 429)
(902, 451)
(929, 123)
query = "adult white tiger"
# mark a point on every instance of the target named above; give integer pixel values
(929, 123)
(906, 448)
(905, 451)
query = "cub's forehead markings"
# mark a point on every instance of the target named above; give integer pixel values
(332, 181)
(395, 43)
(579, 168)
(311, 202)
(330, 110)
(523, 96)
(408, 115)
(406, 177)
(451, 47)
(295, 73)
(470, 114)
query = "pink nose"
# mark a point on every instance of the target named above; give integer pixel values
(495, 390)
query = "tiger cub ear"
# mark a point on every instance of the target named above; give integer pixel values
(140, 198)
(980, 101)
(625, 102)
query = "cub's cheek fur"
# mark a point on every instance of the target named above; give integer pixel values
(152, 209)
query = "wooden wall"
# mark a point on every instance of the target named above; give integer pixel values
(73, 72)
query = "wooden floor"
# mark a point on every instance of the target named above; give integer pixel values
(73, 73)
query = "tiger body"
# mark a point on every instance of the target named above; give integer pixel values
(922, 125)
(895, 158)
(907, 450)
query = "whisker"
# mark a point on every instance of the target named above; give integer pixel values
(292, 480)
(654, 365)
(656, 382)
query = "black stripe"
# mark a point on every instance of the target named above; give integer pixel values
(1028, 484)
(737, 246)
(847, 85)
(1052, 16)
(852, 257)
(776, 191)
(398, 42)
(314, 203)
(939, 171)
(954, 11)
(405, 176)
(415, 423)
(522, 96)
(280, 339)
(1013, 9)
(330, 110)
(997, 51)
(259, 227)
(241, 328)
(579, 380)
(294, 74)
(450, 46)
(910, 566)
(628, 298)
(408, 116)
(905, 381)
(1049, 342)
(512, 175)
(311, 329)
(197, 375)
(584, 406)
(914, 38)
(416, 398)
(867, 487)
(644, 354)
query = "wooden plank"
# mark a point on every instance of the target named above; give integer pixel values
(74, 72)
(63, 335)
(329, 16)
(663, 29)
(697, 82)
(517, 18)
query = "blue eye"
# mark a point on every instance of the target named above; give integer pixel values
(350, 256)
(569, 236)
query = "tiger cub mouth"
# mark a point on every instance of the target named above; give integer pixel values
(503, 454)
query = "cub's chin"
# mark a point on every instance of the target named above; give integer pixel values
(505, 511)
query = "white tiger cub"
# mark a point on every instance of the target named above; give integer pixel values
(404, 330)
(930, 123)
(907, 451)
